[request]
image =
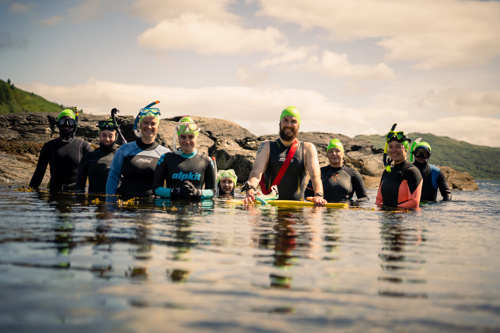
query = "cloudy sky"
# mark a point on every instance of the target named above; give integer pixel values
(351, 67)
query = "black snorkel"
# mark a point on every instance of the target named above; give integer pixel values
(387, 161)
(114, 111)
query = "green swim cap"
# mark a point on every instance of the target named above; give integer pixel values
(423, 145)
(291, 111)
(335, 143)
(66, 113)
(230, 173)
(187, 125)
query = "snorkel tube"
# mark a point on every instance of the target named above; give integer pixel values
(412, 149)
(114, 111)
(387, 162)
(137, 131)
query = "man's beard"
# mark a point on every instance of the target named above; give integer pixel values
(287, 136)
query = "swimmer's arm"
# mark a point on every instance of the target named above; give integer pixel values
(259, 166)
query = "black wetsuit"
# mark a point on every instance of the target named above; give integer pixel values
(95, 166)
(134, 164)
(434, 179)
(340, 184)
(63, 158)
(292, 185)
(402, 187)
(173, 168)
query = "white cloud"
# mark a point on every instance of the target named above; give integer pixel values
(21, 8)
(52, 21)
(195, 32)
(462, 101)
(431, 33)
(338, 65)
(158, 10)
(251, 77)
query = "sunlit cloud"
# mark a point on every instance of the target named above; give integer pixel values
(18, 8)
(430, 33)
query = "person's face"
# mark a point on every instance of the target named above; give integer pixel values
(421, 155)
(335, 156)
(149, 127)
(289, 128)
(187, 141)
(226, 185)
(107, 138)
(397, 151)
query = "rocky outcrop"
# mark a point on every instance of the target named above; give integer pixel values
(234, 147)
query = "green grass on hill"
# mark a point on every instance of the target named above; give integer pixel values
(480, 161)
(14, 100)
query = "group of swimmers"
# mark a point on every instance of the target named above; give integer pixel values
(145, 168)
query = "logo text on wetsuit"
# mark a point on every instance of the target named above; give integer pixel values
(144, 160)
(189, 176)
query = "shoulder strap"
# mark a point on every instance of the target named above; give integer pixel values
(283, 169)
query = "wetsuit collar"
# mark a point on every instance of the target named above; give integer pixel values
(146, 146)
(190, 155)
(110, 147)
(281, 143)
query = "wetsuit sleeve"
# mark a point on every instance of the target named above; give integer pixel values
(443, 186)
(379, 199)
(41, 167)
(159, 178)
(83, 171)
(410, 192)
(358, 186)
(87, 148)
(115, 171)
(210, 181)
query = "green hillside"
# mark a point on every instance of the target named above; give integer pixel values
(14, 100)
(480, 161)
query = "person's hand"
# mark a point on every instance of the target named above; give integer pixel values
(250, 196)
(318, 201)
(192, 191)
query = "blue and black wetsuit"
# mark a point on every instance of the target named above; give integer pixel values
(134, 164)
(402, 187)
(292, 185)
(63, 156)
(434, 179)
(95, 166)
(340, 184)
(174, 169)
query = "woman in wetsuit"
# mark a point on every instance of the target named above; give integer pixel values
(186, 170)
(96, 165)
(339, 182)
(134, 163)
(226, 182)
(62, 154)
(401, 186)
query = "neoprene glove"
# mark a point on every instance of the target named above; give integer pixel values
(180, 192)
(193, 191)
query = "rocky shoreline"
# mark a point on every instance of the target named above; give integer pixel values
(23, 134)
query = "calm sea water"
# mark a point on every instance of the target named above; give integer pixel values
(71, 262)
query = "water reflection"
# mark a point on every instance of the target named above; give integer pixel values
(401, 254)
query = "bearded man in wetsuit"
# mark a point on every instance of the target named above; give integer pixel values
(62, 154)
(95, 165)
(434, 178)
(271, 156)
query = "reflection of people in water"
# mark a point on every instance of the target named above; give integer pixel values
(400, 254)
(226, 182)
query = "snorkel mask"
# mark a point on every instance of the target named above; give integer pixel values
(230, 173)
(421, 146)
(399, 137)
(144, 112)
(106, 125)
(185, 125)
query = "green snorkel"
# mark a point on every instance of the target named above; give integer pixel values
(387, 162)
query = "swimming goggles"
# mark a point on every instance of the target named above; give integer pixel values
(66, 121)
(154, 111)
(421, 154)
(106, 125)
(187, 127)
(399, 136)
